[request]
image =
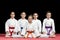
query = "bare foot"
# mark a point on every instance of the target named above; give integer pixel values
(52, 36)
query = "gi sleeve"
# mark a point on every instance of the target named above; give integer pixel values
(6, 26)
(16, 27)
(53, 26)
(43, 29)
(39, 25)
(19, 28)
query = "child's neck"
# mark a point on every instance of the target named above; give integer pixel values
(12, 18)
(30, 22)
(48, 18)
(35, 19)
(22, 18)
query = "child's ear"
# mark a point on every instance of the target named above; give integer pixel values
(37, 16)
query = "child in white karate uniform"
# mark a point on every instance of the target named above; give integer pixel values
(30, 28)
(49, 26)
(37, 24)
(11, 26)
(22, 24)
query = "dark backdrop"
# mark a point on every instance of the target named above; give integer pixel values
(41, 7)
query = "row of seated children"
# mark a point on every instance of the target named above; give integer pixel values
(30, 28)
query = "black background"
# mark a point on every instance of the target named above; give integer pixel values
(39, 6)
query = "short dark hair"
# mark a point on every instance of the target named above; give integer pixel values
(29, 15)
(48, 12)
(23, 12)
(35, 13)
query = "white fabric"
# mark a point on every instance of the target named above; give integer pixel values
(48, 23)
(37, 26)
(22, 23)
(44, 36)
(11, 23)
(30, 26)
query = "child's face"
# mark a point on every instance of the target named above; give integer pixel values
(35, 15)
(30, 18)
(23, 15)
(48, 15)
(12, 14)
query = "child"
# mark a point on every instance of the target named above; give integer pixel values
(37, 24)
(30, 28)
(11, 25)
(22, 24)
(49, 26)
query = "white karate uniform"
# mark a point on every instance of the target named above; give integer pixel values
(11, 23)
(30, 27)
(48, 23)
(23, 24)
(37, 27)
